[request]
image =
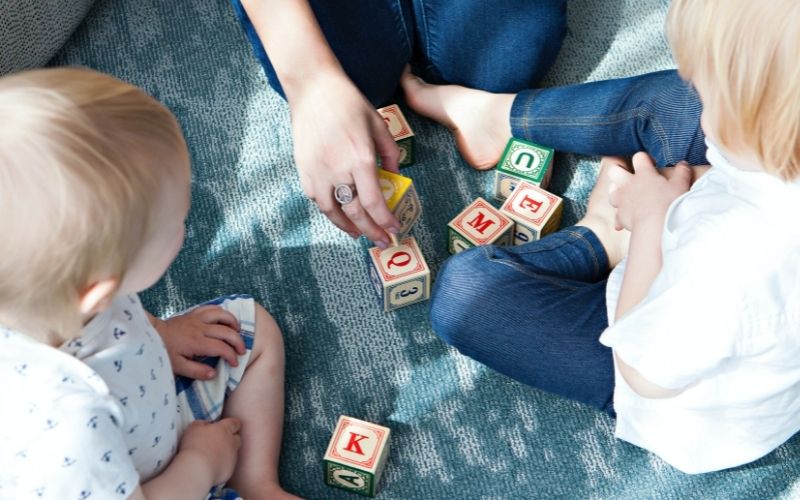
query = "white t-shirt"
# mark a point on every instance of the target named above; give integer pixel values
(91, 419)
(721, 319)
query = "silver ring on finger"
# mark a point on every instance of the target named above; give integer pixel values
(344, 193)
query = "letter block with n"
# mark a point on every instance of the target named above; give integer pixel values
(522, 161)
(356, 455)
(478, 224)
(535, 212)
(400, 275)
(401, 132)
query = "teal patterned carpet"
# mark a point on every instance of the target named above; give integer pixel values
(460, 430)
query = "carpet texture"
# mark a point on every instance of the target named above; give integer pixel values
(460, 430)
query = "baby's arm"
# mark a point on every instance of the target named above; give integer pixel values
(206, 457)
(642, 200)
(203, 331)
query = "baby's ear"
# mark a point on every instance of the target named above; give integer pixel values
(97, 295)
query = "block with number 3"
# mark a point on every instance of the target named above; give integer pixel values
(536, 212)
(356, 455)
(522, 161)
(400, 275)
(478, 224)
(401, 132)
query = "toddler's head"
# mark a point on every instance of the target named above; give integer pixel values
(94, 180)
(742, 56)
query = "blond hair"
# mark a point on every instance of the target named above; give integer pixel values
(82, 156)
(743, 57)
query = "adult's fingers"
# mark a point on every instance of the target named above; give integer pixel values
(371, 198)
(682, 176)
(331, 208)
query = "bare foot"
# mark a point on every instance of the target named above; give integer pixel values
(600, 215)
(479, 120)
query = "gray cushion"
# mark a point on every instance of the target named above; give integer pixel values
(31, 32)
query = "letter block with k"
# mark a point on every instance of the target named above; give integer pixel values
(522, 161)
(356, 455)
(478, 224)
(399, 274)
(535, 212)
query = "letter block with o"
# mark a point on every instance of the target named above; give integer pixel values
(479, 224)
(535, 212)
(356, 455)
(401, 132)
(522, 161)
(400, 275)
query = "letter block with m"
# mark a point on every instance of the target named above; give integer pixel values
(356, 455)
(478, 224)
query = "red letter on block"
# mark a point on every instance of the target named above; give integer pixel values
(479, 223)
(529, 202)
(353, 446)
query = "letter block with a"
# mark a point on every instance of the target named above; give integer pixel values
(401, 132)
(400, 275)
(522, 161)
(356, 455)
(535, 212)
(478, 224)
(401, 198)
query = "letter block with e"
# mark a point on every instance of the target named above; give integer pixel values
(401, 132)
(400, 275)
(522, 161)
(356, 455)
(401, 198)
(478, 224)
(535, 212)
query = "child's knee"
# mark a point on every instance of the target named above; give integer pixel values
(268, 336)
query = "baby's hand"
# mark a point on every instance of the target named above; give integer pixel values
(645, 194)
(217, 443)
(204, 331)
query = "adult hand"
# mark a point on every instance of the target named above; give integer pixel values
(338, 137)
(216, 443)
(645, 194)
(204, 331)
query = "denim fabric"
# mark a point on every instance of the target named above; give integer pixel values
(498, 46)
(656, 112)
(532, 312)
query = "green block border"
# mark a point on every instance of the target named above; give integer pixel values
(547, 162)
(329, 467)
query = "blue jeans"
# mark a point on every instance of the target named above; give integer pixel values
(532, 312)
(656, 112)
(503, 46)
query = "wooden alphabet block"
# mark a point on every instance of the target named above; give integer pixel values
(478, 224)
(401, 198)
(536, 212)
(401, 132)
(356, 455)
(400, 274)
(522, 161)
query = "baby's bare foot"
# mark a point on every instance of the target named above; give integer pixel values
(600, 215)
(479, 120)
